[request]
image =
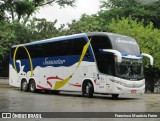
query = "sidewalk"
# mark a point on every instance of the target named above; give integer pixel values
(4, 82)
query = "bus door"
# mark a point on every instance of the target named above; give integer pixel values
(109, 84)
(99, 80)
(101, 83)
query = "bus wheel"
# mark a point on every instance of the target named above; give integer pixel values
(89, 90)
(115, 96)
(32, 86)
(24, 85)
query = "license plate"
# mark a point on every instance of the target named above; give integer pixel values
(133, 91)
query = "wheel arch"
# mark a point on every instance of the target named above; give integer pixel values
(31, 80)
(23, 79)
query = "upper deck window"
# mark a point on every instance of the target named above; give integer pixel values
(51, 49)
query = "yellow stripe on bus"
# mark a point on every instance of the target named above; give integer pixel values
(60, 84)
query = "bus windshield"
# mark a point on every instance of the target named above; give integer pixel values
(130, 69)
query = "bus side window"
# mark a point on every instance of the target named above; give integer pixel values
(36, 51)
(105, 61)
(21, 53)
(65, 48)
(78, 45)
(50, 49)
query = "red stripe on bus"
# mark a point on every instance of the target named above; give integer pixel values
(77, 85)
(53, 77)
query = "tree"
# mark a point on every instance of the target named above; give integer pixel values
(23, 9)
(85, 24)
(15, 27)
(149, 12)
(42, 29)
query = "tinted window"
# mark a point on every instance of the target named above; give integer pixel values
(50, 49)
(20, 54)
(100, 42)
(60, 48)
(124, 44)
(65, 48)
(36, 51)
(43, 50)
(105, 61)
(78, 45)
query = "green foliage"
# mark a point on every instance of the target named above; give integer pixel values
(15, 33)
(85, 24)
(42, 29)
(149, 12)
(147, 37)
(17, 28)
(23, 9)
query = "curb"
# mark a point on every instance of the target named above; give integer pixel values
(5, 86)
(4, 77)
(4, 81)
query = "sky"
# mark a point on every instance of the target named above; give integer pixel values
(67, 14)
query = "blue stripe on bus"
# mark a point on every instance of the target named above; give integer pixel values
(137, 55)
(123, 54)
(65, 61)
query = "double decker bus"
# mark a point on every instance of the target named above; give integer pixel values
(96, 62)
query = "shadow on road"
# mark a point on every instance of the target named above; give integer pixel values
(78, 94)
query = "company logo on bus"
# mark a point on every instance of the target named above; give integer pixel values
(53, 62)
(126, 41)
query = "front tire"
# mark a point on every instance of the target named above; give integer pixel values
(55, 92)
(89, 90)
(24, 85)
(32, 86)
(115, 96)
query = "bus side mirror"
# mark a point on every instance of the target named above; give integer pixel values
(150, 57)
(115, 52)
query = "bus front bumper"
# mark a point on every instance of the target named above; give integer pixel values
(119, 89)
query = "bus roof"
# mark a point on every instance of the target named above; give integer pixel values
(61, 38)
(54, 39)
(105, 34)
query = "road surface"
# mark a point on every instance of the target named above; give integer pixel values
(14, 100)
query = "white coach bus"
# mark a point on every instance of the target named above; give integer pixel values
(96, 62)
